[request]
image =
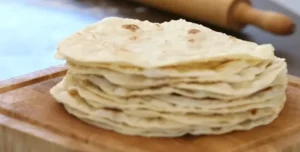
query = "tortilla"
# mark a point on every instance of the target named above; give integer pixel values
(144, 44)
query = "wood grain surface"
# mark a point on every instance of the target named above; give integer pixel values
(32, 121)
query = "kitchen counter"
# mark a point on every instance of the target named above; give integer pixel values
(31, 29)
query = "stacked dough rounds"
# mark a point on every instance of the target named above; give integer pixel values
(169, 79)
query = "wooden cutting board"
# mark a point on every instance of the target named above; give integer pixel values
(31, 121)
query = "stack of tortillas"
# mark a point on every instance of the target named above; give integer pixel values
(169, 79)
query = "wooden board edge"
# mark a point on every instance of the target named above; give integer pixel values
(31, 131)
(284, 139)
(18, 133)
(32, 78)
(294, 81)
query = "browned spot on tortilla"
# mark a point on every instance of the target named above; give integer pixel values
(131, 27)
(133, 37)
(191, 40)
(193, 31)
(157, 24)
(253, 111)
(87, 83)
(73, 92)
(112, 109)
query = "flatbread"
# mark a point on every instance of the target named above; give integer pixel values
(143, 44)
(129, 130)
(158, 120)
(268, 78)
(233, 68)
(173, 103)
(134, 81)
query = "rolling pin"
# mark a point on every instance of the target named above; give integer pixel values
(231, 14)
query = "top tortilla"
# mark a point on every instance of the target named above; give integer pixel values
(144, 44)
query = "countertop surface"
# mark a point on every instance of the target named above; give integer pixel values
(292, 5)
(31, 29)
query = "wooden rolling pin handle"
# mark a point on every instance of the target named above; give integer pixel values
(270, 21)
